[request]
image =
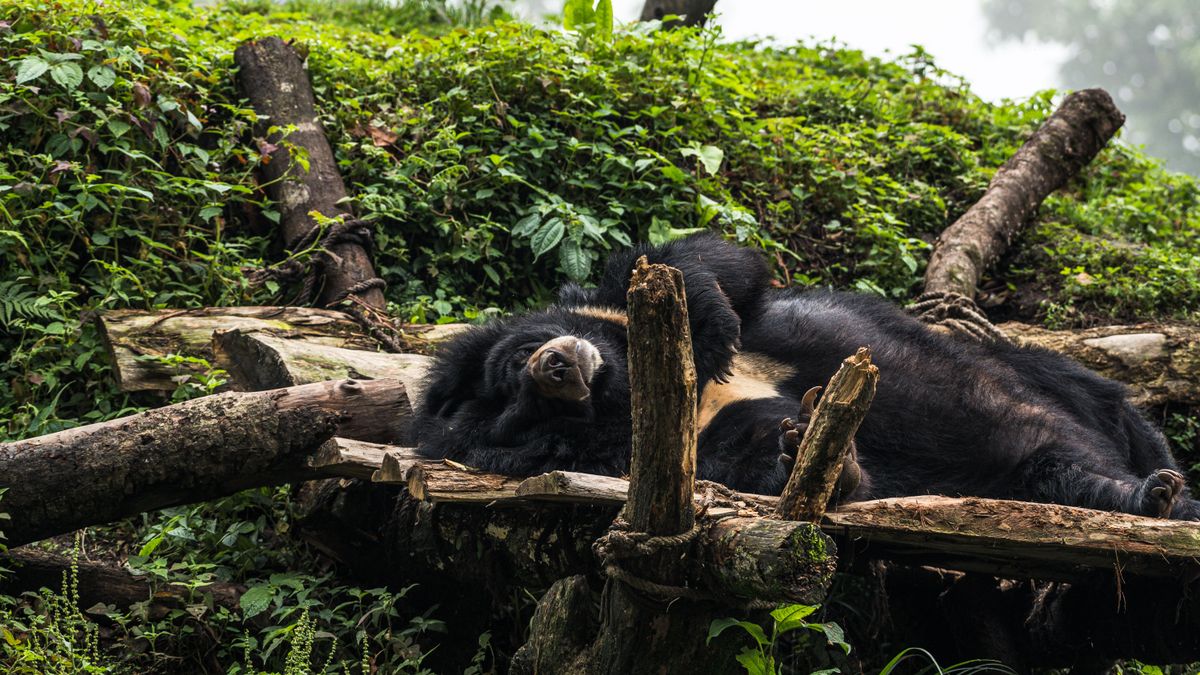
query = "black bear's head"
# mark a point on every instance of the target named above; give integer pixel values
(560, 372)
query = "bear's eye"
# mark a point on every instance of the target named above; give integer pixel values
(522, 354)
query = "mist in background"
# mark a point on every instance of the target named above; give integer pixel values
(1144, 52)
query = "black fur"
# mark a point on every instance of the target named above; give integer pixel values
(949, 417)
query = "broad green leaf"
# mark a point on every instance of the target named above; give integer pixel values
(603, 18)
(755, 631)
(833, 633)
(31, 68)
(117, 127)
(149, 546)
(574, 260)
(661, 231)
(577, 13)
(547, 237)
(256, 600)
(526, 226)
(68, 74)
(102, 76)
(756, 663)
(710, 157)
(791, 617)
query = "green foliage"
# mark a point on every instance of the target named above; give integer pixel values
(760, 659)
(596, 21)
(919, 655)
(49, 635)
(244, 539)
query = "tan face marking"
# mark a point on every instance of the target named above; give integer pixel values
(754, 377)
(603, 313)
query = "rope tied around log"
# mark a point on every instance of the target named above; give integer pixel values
(358, 231)
(345, 231)
(620, 543)
(957, 313)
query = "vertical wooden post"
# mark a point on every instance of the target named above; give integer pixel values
(663, 400)
(828, 438)
(658, 636)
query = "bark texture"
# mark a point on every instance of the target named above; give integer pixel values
(188, 452)
(274, 78)
(261, 360)
(1064, 144)
(828, 438)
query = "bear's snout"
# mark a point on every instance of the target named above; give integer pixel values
(564, 368)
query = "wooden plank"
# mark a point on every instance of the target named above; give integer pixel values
(447, 482)
(570, 486)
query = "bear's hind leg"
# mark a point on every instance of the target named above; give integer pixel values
(1050, 475)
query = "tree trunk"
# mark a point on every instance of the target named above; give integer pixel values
(640, 634)
(188, 452)
(1063, 145)
(275, 80)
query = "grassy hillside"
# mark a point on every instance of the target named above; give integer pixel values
(497, 160)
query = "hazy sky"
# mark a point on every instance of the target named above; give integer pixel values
(953, 31)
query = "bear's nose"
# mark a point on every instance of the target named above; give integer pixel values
(564, 368)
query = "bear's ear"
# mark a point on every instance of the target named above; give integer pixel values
(574, 295)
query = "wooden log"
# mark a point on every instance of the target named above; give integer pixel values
(385, 536)
(828, 438)
(1160, 362)
(259, 360)
(135, 338)
(637, 634)
(1015, 539)
(768, 560)
(273, 77)
(31, 569)
(1065, 143)
(188, 452)
(662, 398)
(560, 632)
(1001, 537)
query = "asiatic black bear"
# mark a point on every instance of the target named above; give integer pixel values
(549, 390)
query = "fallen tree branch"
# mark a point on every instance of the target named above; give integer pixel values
(1065, 143)
(108, 584)
(188, 452)
(996, 536)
